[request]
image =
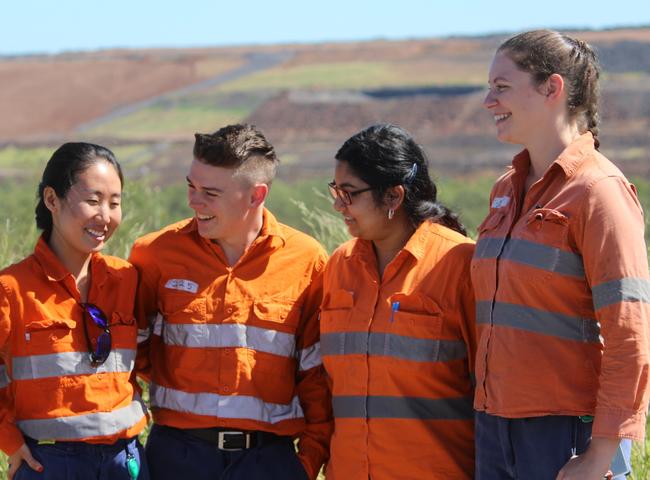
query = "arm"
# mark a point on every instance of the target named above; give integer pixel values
(11, 438)
(146, 306)
(615, 258)
(467, 311)
(314, 394)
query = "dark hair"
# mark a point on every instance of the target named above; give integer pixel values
(545, 52)
(62, 171)
(242, 147)
(385, 156)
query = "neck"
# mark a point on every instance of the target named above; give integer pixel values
(235, 246)
(78, 264)
(399, 230)
(545, 148)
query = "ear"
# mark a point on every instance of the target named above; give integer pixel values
(50, 199)
(553, 87)
(258, 194)
(394, 197)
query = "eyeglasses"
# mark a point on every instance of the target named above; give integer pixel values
(100, 346)
(344, 195)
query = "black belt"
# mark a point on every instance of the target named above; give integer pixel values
(230, 440)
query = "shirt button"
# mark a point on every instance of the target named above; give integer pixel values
(539, 216)
(229, 310)
(226, 389)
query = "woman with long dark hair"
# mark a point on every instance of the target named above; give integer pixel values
(397, 329)
(69, 407)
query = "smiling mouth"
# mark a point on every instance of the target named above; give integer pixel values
(501, 117)
(204, 218)
(96, 234)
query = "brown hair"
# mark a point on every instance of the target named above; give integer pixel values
(241, 147)
(545, 52)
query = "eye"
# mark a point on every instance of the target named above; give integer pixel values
(212, 194)
(92, 201)
(500, 88)
(115, 204)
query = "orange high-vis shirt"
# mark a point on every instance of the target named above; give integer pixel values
(399, 352)
(563, 292)
(52, 392)
(236, 346)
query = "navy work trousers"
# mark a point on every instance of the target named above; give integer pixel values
(173, 454)
(84, 461)
(533, 448)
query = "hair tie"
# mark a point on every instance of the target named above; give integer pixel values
(411, 175)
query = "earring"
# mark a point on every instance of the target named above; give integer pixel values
(391, 213)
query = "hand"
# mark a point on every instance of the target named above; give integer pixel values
(23, 454)
(593, 464)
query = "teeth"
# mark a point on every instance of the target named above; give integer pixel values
(503, 116)
(204, 217)
(96, 233)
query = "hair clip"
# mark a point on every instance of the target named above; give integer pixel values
(411, 175)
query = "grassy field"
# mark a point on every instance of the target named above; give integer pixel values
(304, 205)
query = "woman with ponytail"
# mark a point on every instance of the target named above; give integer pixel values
(69, 406)
(397, 329)
(561, 278)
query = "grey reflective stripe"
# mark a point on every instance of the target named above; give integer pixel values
(489, 247)
(4, 378)
(203, 335)
(224, 406)
(143, 334)
(309, 357)
(157, 324)
(391, 345)
(70, 363)
(533, 254)
(357, 406)
(539, 321)
(76, 427)
(623, 290)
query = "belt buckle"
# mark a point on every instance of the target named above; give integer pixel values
(221, 441)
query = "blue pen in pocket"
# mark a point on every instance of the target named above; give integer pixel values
(393, 309)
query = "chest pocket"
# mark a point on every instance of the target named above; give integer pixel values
(180, 307)
(123, 330)
(278, 312)
(49, 335)
(336, 310)
(416, 316)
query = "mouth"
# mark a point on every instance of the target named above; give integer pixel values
(204, 218)
(99, 235)
(501, 117)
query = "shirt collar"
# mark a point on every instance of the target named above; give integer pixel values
(56, 271)
(568, 160)
(270, 227)
(415, 245)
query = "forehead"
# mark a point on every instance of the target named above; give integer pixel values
(344, 176)
(205, 175)
(502, 67)
(99, 175)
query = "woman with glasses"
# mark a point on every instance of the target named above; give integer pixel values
(69, 407)
(397, 328)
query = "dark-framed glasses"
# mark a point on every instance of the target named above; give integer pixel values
(99, 345)
(344, 195)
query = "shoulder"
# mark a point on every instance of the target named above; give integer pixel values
(297, 240)
(170, 233)
(13, 275)
(118, 266)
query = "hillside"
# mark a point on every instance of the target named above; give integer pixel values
(307, 98)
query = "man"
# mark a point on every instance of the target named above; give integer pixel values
(231, 299)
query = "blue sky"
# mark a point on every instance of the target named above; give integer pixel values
(46, 26)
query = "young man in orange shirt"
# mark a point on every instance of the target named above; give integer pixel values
(231, 301)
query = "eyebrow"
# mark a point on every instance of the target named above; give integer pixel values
(208, 189)
(498, 79)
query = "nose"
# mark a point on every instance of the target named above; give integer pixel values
(489, 101)
(104, 212)
(339, 205)
(193, 198)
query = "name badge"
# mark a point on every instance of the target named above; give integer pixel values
(182, 284)
(499, 202)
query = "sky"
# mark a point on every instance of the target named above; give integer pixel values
(46, 26)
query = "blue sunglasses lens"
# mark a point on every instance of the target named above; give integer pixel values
(99, 348)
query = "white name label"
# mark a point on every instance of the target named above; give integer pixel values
(182, 284)
(499, 202)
